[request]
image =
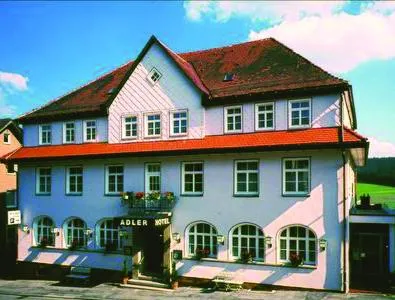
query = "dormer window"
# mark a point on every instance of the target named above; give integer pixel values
(233, 119)
(68, 132)
(229, 77)
(152, 125)
(6, 138)
(45, 133)
(154, 76)
(90, 131)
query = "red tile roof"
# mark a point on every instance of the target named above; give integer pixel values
(274, 140)
(261, 66)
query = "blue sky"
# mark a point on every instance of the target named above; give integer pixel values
(50, 48)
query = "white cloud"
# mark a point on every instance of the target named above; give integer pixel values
(381, 149)
(6, 110)
(13, 80)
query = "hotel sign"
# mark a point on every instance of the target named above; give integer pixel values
(143, 222)
(14, 217)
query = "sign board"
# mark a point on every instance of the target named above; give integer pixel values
(142, 222)
(14, 217)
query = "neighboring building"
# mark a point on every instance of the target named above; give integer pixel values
(256, 143)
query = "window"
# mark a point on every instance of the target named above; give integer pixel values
(179, 123)
(299, 113)
(43, 231)
(264, 116)
(154, 76)
(152, 125)
(298, 240)
(45, 134)
(108, 236)
(43, 181)
(114, 179)
(296, 176)
(247, 239)
(74, 231)
(129, 128)
(6, 138)
(90, 131)
(152, 177)
(74, 180)
(68, 132)
(233, 119)
(202, 236)
(246, 177)
(192, 178)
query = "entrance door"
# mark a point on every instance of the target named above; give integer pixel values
(152, 245)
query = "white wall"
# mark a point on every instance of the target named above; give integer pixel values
(138, 96)
(31, 132)
(271, 211)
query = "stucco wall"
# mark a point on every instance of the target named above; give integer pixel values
(172, 92)
(270, 211)
(7, 181)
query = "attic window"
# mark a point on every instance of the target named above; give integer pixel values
(111, 91)
(154, 76)
(229, 76)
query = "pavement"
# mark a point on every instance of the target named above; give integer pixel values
(44, 289)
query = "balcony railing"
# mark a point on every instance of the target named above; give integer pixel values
(154, 202)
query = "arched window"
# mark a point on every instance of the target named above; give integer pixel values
(298, 240)
(43, 231)
(202, 237)
(247, 240)
(108, 235)
(74, 233)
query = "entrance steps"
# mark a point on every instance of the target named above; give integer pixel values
(146, 283)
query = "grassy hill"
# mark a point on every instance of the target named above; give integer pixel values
(378, 193)
(379, 171)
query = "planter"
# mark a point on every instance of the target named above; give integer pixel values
(125, 279)
(174, 285)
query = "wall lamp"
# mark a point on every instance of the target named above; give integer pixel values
(55, 231)
(88, 232)
(323, 244)
(26, 229)
(221, 239)
(176, 236)
(268, 241)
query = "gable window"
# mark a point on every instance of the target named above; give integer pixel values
(299, 113)
(74, 180)
(74, 231)
(233, 119)
(296, 176)
(179, 122)
(247, 240)
(246, 177)
(6, 138)
(152, 125)
(108, 236)
(192, 178)
(43, 231)
(129, 128)
(68, 132)
(45, 134)
(152, 177)
(298, 240)
(114, 179)
(43, 181)
(90, 131)
(202, 237)
(264, 116)
(154, 76)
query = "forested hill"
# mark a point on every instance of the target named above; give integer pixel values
(378, 171)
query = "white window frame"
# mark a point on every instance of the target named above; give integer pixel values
(47, 179)
(109, 234)
(151, 74)
(179, 120)
(149, 174)
(65, 130)
(146, 122)
(48, 229)
(213, 244)
(8, 134)
(240, 235)
(290, 110)
(193, 173)
(80, 231)
(86, 131)
(226, 114)
(75, 178)
(132, 123)
(266, 112)
(248, 172)
(48, 132)
(306, 238)
(117, 190)
(308, 170)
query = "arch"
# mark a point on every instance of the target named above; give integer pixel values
(74, 232)
(203, 237)
(299, 239)
(246, 240)
(43, 226)
(107, 235)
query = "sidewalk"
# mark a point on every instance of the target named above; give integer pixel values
(52, 290)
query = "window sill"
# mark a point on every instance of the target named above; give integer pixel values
(43, 194)
(296, 195)
(90, 141)
(191, 195)
(246, 195)
(233, 132)
(113, 194)
(148, 137)
(299, 127)
(176, 135)
(265, 129)
(131, 138)
(73, 194)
